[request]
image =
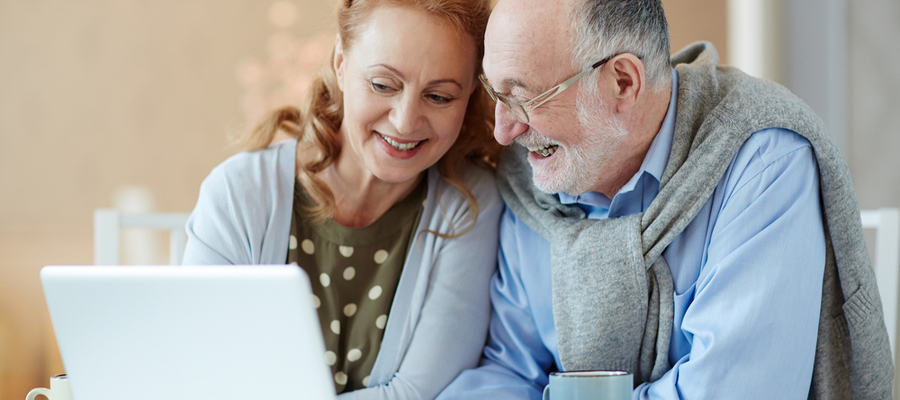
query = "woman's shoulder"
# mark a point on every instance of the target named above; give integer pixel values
(477, 179)
(477, 175)
(273, 165)
(244, 201)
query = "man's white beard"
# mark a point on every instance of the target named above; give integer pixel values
(579, 166)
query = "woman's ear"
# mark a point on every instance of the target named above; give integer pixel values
(338, 62)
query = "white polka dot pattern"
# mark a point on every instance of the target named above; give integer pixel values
(357, 285)
(380, 256)
(346, 251)
(340, 378)
(330, 357)
(308, 246)
(349, 273)
(336, 327)
(350, 309)
(375, 292)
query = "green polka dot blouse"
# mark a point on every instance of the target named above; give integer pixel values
(354, 274)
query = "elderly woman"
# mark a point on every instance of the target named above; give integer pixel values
(384, 196)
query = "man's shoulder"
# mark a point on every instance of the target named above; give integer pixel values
(734, 100)
(772, 144)
(770, 154)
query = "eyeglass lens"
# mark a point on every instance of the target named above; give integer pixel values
(514, 108)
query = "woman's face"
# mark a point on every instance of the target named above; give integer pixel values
(406, 80)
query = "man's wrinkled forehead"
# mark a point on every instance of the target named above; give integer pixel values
(526, 39)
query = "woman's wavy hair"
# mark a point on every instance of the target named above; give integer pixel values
(321, 120)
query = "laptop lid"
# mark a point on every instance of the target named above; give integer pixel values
(188, 332)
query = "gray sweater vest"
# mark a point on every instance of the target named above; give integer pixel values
(613, 292)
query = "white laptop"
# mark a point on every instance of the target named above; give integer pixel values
(188, 332)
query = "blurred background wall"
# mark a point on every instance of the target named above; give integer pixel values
(105, 100)
(124, 103)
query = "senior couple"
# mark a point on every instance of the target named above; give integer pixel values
(665, 216)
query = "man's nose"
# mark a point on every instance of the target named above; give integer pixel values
(506, 127)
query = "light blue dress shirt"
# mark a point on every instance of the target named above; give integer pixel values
(747, 272)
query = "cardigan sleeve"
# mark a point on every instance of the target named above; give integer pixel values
(214, 231)
(451, 331)
(243, 210)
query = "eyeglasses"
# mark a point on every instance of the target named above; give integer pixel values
(520, 110)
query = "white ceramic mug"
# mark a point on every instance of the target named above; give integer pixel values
(589, 385)
(59, 390)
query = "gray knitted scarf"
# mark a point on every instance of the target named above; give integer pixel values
(612, 290)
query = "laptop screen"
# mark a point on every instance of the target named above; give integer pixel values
(187, 332)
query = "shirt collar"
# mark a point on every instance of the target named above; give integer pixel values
(651, 168)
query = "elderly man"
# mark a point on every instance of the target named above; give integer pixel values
(686, 223)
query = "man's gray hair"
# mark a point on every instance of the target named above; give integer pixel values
(605, 28)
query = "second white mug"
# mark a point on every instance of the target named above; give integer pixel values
(59, 390)
(589, 385)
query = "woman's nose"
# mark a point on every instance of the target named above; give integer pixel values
(407, 115)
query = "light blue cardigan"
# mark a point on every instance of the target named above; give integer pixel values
(439, 317)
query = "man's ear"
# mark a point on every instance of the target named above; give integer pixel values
(338, 61)
(630, 79)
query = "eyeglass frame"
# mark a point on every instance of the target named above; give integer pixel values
(530, 105)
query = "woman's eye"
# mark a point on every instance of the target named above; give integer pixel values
(380, 87)
(439, 99)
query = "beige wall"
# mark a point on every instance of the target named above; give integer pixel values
(95, 95)
(694, 20)
(98, 94)
(101, 94)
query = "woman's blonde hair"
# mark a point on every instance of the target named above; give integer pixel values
(324, 113)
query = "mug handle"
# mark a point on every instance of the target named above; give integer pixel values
(38, 392)
(546, 392)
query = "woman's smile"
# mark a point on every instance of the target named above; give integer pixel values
(400, 145)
